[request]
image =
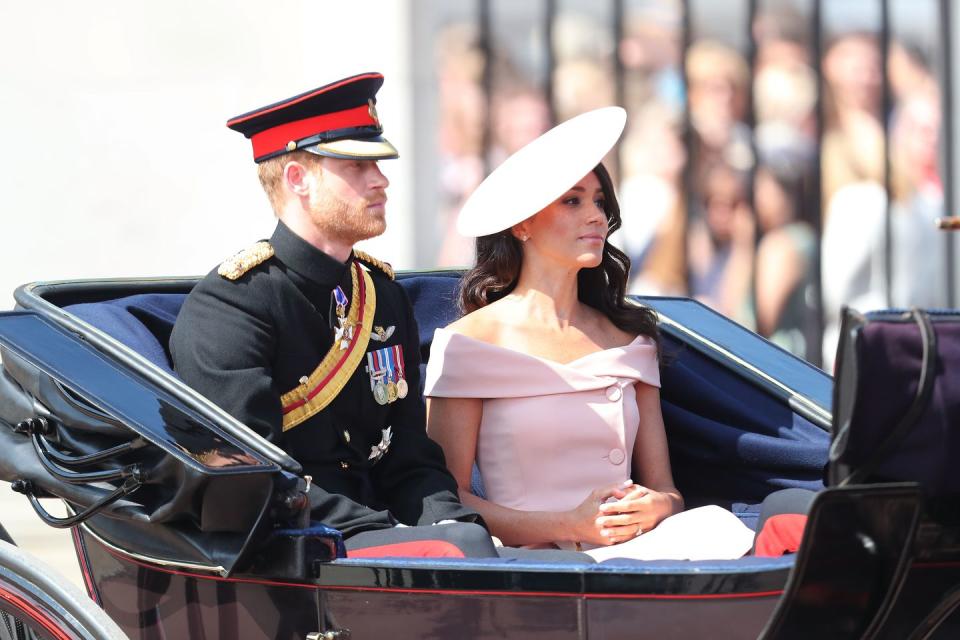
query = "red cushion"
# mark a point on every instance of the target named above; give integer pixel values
(415, 549)
(781, 534)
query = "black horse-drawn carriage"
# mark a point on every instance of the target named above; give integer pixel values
(187, 524)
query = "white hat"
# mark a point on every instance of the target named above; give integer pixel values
(541, 172)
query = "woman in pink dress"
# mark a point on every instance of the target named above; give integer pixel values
(550, 382)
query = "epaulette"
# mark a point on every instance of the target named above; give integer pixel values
(238, 264)
(370, 261)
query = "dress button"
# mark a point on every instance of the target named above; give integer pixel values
(344, 465)
(614, 393)
(616, 456)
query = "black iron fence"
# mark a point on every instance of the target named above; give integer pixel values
(782, 157)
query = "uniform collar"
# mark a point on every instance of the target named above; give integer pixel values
(304, 258)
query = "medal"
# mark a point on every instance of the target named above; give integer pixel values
(377, 374)
(343, 333)
(385, 367)
(402, 387)
(380, 393)
(380, 365)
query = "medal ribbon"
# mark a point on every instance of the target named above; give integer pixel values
(391, 365)
(372, 368)
(340, 297)
(382, 361)
(398, 356)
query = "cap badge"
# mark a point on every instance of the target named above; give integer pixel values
(372, 110)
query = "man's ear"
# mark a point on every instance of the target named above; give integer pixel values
(296, 178)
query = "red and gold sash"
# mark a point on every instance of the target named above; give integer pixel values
(330, 376)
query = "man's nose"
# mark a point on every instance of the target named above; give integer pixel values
(377, 179)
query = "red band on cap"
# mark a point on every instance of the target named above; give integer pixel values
(276, 139)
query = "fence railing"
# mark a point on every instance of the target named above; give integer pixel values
(782, 157)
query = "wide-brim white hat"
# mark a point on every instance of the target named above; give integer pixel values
(541, 172)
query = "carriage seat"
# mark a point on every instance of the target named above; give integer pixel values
(728, 425)
(142, 322)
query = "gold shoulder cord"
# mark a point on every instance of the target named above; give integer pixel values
(237, 265)
(368, 259)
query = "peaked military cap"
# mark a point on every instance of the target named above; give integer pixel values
(337, 120)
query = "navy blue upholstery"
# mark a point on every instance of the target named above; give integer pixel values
(729, 440)
(142, 322)
(730, 443)
(434, 300)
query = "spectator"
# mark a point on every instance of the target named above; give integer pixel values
(721, 245)
(653, 218)
(854, 239)
(853, 141)
(718, 79)
(786, 253)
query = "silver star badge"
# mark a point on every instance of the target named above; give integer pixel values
(378, 450)
(343, 334)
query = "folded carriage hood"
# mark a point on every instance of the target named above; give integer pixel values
(196, 478)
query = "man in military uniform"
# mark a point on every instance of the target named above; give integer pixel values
(311, 344)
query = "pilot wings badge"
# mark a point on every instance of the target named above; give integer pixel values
(378, 450)
(380, 334)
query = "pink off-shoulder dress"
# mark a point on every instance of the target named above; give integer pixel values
(551, 433)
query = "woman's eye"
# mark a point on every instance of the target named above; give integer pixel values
(572, 200)
(601, 203)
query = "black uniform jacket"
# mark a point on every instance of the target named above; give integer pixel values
(244, 343)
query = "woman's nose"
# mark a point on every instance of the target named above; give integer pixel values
(596, 215)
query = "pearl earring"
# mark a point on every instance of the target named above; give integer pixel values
(524, 238)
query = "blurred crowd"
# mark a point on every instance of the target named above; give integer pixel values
(744, 174)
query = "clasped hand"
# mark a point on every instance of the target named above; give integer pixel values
(619, 513)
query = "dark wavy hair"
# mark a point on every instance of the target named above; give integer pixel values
(500, 255)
